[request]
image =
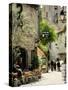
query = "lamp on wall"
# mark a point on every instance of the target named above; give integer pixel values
(45, 34)
(62, 15)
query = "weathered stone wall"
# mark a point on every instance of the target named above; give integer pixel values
(58, 48)
(49, 13)
(24, 27)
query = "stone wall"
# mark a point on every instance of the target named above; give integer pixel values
(52, 15)
(24, 27)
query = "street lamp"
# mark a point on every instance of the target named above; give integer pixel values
(62, 15)
(45, 34)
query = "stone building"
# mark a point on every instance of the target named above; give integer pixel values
(54, 15)
(61, 44)
(23, 31)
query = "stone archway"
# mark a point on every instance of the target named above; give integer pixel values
(24, 57)
(21, 54)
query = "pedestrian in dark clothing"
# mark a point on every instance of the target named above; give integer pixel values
(55, 66)
(48, 66)
(52, 65)
(58, 66)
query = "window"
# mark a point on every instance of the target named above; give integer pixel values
(55, 7)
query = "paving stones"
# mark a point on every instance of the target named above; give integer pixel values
(51, 78)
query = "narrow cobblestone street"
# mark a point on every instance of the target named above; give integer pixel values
(37, 44)
(48, 79)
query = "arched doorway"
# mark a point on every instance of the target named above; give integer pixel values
(21, 54)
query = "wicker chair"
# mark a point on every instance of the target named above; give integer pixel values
(28, 76)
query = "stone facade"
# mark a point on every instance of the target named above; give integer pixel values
(61, 44)
(52, 15)
(58, 48)
(24, 28)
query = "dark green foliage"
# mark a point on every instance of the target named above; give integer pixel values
(35, 62)
(45, 27)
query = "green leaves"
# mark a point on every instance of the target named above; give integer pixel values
(43, 47)
(43, 26)
(35, 62)
(46, 27)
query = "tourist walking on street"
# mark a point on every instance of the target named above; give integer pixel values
(48, 66)
(55, 66)
(58, 64)
(52, 63)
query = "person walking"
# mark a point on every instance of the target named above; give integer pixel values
(58, 65)
(48, 66)
(52, 63)
(55, 66)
